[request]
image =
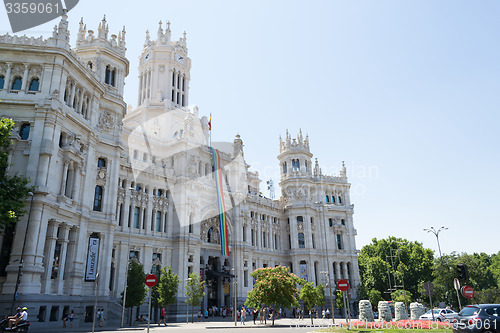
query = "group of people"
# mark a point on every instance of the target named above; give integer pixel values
(20, 317)
(68, 317)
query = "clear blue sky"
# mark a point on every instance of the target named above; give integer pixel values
(406, 92)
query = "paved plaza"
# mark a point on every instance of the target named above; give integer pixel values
(281, 325)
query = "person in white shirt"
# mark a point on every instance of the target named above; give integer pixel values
(23, 316)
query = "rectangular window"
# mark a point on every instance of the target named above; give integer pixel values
(98, 198)
(339, 242)
(302, 241)
(158, 221)
(314, 243)
(245, 274)
(137, 211)
(264, 239)
(253, 237)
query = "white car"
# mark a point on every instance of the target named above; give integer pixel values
(440, 315)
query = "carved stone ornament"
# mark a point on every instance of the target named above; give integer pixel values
(106, 121)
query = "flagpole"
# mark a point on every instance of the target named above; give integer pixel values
(210, 129)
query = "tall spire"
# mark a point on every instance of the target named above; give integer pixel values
(168, 33)
(343, 171)
(102, 32)
(160, 32)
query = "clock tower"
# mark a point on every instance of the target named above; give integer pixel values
(164, 71)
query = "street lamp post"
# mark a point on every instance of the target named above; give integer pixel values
(21, 262)
(126, 270)
(320, 204)
(436, 233)
(235, 299)
(187, 304)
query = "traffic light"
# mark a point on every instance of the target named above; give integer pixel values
(462, 271)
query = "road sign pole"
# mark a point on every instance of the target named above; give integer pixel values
(149, 311)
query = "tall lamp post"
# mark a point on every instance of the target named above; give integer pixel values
(21, 262)
(320, 204)
(187, 304)
(436, 233)
(126, 270)
(235, 299)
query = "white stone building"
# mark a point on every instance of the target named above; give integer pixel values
(114, 183)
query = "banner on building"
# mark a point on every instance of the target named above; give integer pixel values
(226, 288)
(92, 257)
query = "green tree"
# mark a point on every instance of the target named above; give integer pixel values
(136, 287)
(14, 189)
(402, 296)
(375, 296)
(321, 295)
(275, 287)
(415, 266)
(167, 286)
(194, 291)
(311, 297)
(339, 300)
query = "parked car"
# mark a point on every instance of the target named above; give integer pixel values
(481, 318)
(440, 315)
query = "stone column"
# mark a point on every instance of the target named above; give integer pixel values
(72, 95)
(25, 77)
(170, 214)
(65, 175)
(78, 182)
(64, 239)
(344, 268)
(7, 76)
(70, 258)
(337, 271)
(50, 245)
(80, 101)
(149, 207)
(126, 210)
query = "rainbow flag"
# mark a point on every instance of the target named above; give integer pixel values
(219, 185)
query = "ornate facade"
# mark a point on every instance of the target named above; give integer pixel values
(114, 183)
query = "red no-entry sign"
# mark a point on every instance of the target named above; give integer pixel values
(467, 291)
(343, 285)
(151, 280)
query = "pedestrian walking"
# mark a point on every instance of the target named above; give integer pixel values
(71, 317)
(162, 317)
(242, 315)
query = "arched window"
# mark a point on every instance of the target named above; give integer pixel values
(101, 162)
(98, 198)
(300, 219)
(210, 235)
(327, 199)
(34, 85)
(342, 221)
(333, 199)
(17, 83)
(107, 75)
(302, 241)
(2, 81)
(340, 200)
(330, 222)
(89, 64)
(284, 167)
(24, 131)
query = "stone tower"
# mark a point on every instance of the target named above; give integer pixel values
(164, 70)
(104, 55)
